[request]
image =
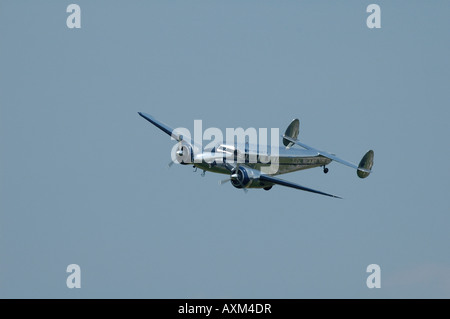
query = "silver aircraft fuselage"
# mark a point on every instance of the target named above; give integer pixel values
(286, 161)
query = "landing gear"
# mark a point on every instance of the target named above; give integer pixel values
(325, 170)
(203, 173)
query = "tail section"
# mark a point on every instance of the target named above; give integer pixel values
(365, 166)
(291, 133)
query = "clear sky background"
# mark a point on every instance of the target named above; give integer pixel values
(84, 179)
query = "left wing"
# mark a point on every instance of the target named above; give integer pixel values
(273, 180)
(278, 181)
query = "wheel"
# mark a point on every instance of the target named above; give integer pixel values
(325, 170)
(268, 188)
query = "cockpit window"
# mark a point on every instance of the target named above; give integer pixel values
(223, 148)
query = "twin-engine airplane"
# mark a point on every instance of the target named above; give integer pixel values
(234, 159)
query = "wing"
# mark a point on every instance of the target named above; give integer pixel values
(163, 127)
(330, 156)
(169, 131)
(278, 181)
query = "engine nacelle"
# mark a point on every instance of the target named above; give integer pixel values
(245, 177)
(184, 153)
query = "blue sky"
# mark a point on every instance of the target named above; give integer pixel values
(83, 178)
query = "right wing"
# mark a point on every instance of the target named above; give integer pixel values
(278, 181)
(169, 131)
(163, 127)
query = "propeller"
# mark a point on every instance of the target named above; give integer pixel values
(224, 181)
(235, 177)
(179, 151)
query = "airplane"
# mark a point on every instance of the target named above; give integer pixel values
(233, 160)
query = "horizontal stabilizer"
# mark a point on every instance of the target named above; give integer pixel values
(363, 170)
